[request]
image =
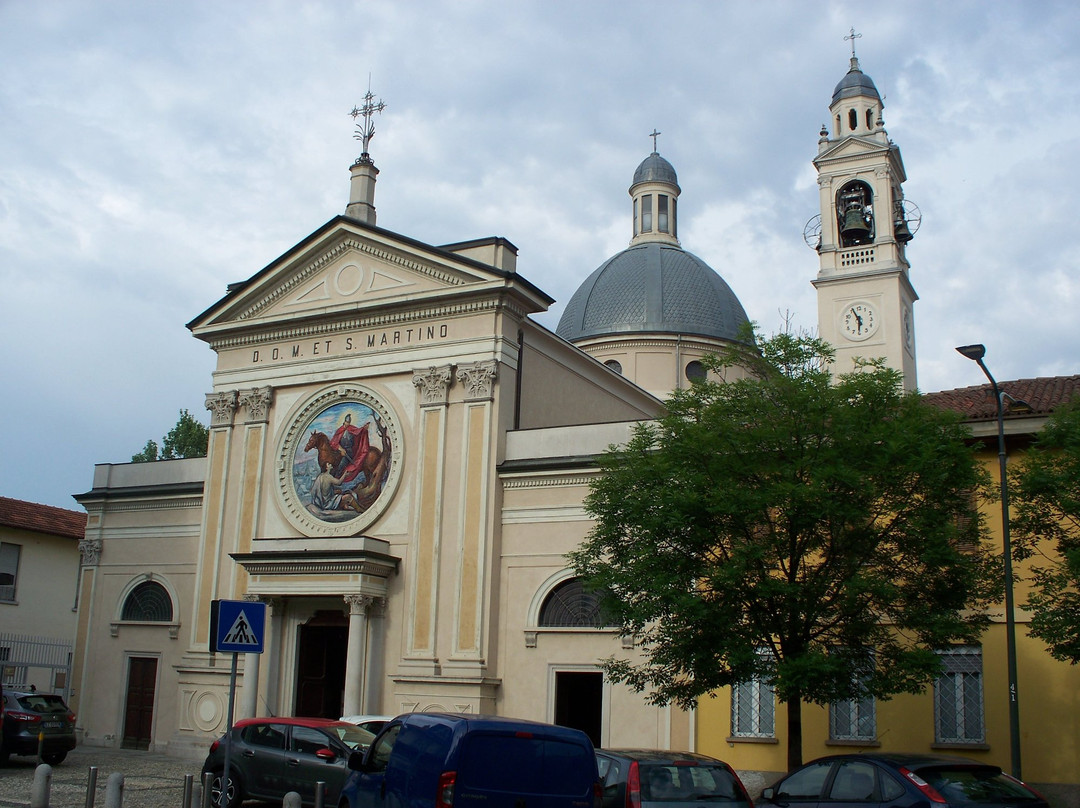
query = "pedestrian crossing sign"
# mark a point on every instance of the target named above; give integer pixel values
(236, 626)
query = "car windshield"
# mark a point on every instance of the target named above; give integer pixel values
(42, 703)
(977, 784)
(675, 782)
(352, 736)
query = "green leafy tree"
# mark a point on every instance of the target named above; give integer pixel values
(1046, 486)
(148, 453)
(792, 527)
(188, 438)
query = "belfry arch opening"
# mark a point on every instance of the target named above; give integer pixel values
(855, 214)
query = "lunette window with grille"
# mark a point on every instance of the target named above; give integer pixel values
(149, 602)
(753, 709)
(958, 697)
(9, 570)
(570, 605)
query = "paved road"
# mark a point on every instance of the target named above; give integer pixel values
(151, 780)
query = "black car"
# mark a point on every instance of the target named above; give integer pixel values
(270, 757)
(643, 778)
(900, 781)
(28, 715)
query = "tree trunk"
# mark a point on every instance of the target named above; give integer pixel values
(794, 731)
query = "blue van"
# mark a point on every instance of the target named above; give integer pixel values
(442, 760)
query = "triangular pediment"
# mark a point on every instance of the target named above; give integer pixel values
(350, 268)
(851, 148)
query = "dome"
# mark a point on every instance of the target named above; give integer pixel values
(855, 83)
(655, 168)
(654, 287)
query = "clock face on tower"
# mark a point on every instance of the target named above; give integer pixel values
(858, 320)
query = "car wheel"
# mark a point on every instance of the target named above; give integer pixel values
(236, 792)
(54, 759)
(3, 756)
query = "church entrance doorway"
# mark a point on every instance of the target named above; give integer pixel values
(322, 648)
(579, 701)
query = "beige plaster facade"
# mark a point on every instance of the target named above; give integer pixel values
(428, 599)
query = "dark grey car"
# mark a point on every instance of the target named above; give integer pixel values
(36, 723)
(653, 778)
(270, 757)
(899, 781)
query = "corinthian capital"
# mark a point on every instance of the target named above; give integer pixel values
(257, 403)
(90, 549)
(221, 406)
(433, 385)
(479, 379)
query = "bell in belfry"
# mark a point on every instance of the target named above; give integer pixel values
(856, 227)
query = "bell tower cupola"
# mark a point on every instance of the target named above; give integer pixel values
(865, 296)
(655, 190)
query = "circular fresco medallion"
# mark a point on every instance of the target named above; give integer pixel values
(338, 462)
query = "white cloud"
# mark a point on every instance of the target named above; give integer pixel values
(154, 153)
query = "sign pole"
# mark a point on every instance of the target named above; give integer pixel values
(224, 799)
(236, 627)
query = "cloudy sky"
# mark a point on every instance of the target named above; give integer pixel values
(153, 152)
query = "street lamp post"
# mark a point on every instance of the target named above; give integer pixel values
(976, 354)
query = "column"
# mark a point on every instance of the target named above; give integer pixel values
(354, 662)
(249, 702)
(373, 675)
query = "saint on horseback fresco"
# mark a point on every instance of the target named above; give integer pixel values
(342, 466)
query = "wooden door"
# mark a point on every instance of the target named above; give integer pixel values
(139, 709)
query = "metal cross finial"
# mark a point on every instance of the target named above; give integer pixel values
(366, 131)
(654, 134)
(852, 36)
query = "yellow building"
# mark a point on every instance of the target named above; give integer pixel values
(964, 712)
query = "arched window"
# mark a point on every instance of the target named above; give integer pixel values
(149, 602)
(869, 119)
(570, 605)
(853, 120)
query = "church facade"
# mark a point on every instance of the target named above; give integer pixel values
(398, 458)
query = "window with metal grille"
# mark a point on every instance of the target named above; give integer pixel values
(570, 605)
(958, 697)
(753, 709)
(148, 602)
(853, 720)
(9, 569)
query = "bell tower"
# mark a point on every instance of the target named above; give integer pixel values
(865, 296)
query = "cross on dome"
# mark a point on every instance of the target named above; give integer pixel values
(852, 36)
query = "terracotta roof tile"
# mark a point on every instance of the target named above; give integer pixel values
(42, 518)
(977, 403)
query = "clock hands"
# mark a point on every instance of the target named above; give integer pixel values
(858, 321)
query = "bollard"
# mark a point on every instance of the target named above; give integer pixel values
(320, 790)
(91, 787)
(291, 800)
(196, 800)
(208, 782)
(39, 791)
(114, 791)
(185, 802)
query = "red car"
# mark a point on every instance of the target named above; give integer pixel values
(269, 757)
